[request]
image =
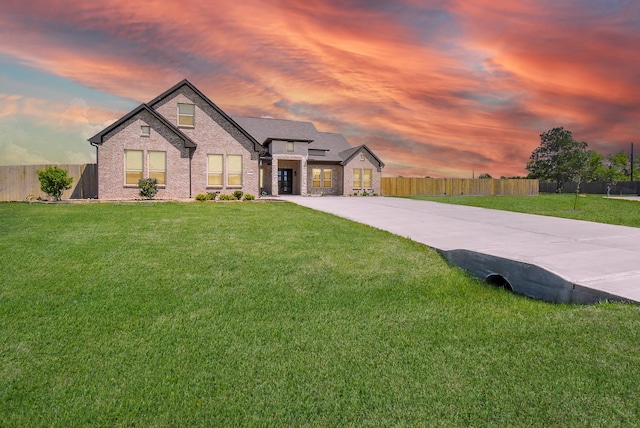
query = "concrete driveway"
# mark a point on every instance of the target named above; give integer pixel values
(549, 258)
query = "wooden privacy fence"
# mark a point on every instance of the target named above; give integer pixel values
(400, 186)
(20, 182)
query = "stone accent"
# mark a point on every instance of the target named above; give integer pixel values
(336, 179)
(295, 162)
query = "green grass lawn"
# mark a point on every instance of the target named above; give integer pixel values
(589, 207)
(270, 314)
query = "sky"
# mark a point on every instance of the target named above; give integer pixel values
(440, 88)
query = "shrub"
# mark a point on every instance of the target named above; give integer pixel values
(248, 197)
(375, 194)
(148, 187)
(355, 193)
(202, 197)
(54, 181)
(213, 195)
(238, 194)
(365, 193)
(226, 197)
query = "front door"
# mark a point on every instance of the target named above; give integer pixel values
(285, 181)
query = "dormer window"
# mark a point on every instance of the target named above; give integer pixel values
(145, 130)
(186, 115)
(361, 157)
(289, 146)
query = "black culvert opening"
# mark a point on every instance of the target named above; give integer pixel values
(499, 281)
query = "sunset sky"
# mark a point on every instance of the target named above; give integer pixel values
(444, 88)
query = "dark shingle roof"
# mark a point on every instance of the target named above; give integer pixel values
(348, 154)
(264, 130)
(332, 144)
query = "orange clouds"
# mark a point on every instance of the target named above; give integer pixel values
(436, 88)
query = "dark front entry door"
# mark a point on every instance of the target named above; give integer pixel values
(285, 181)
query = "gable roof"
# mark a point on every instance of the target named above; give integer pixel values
(332, 144)
(98, 138)
(349, 154)
(266, 130)
(256, 145)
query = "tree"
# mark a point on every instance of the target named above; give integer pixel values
(54, 181)
(485, 175)
(557, 157)
(615, 168)
(581, 169)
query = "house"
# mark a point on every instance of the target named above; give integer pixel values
(191, 146)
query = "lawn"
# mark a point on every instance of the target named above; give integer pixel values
(270, 314)
(595, 208)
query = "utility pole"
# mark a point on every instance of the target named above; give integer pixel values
(632, 165)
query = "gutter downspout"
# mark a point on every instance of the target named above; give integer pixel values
(97, 175)
(190, 175)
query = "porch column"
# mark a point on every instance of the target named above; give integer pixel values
(274, 176)
(303, 177)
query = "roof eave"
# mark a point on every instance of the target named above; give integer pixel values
(257, 147)
(98, 138)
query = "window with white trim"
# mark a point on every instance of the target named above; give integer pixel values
(357, 178)
(214, 170)
(326, 178)
(133, 166)
(158, 166)
(234, 170)
(366, 178)
(145, 130)
(315, 178)
(186, 115)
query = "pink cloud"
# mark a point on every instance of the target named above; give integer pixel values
(473, 87)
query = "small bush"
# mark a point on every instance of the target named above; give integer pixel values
(375, 194)
(54, 181)
(148, 187)
(209, 196)
(365, 193)
(248, 197)
(238, 194)
(355, 193)
(226, 197)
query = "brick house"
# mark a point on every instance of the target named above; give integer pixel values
(191, 146)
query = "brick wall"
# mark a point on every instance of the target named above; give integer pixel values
(212, 133)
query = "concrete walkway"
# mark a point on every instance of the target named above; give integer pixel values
(549, 258)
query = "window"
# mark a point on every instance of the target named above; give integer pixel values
(289, 146)
(357, 178)
(214, 170)
(326, 175)
(133, 166)
(158, 166)
(361, 157)
(186, 114)
(367, 178)
(145, 130)
(234, 170)
(315, 178)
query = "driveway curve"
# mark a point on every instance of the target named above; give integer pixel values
(550, 258)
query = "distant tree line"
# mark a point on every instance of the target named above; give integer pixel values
(560, 158)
